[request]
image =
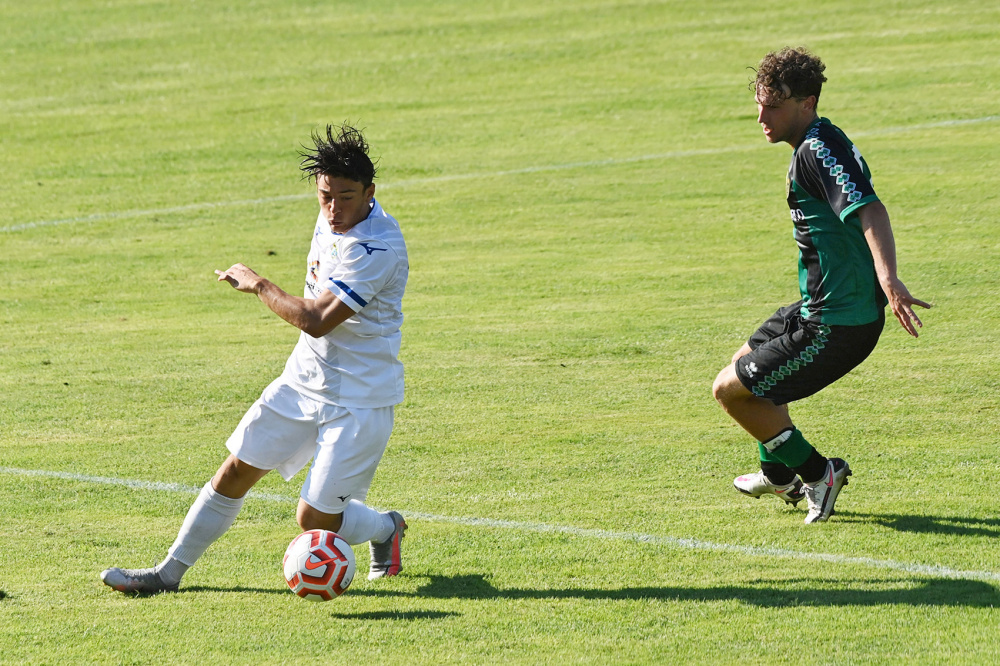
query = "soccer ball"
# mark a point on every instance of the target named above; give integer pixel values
(319, 565)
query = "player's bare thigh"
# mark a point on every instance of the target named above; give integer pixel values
(727, 386)
(235, 478)
(741, 352)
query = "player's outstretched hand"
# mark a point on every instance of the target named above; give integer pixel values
(241, 277)
(902, 304)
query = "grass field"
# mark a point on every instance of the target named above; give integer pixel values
(595, 224)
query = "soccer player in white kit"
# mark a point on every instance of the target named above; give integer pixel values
(335, 400)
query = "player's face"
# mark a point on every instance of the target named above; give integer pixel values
(344, 202)
(784, 118)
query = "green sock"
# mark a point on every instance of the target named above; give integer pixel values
(765, 455)
(789, 449)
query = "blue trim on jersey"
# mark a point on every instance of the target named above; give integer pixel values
(350, 292)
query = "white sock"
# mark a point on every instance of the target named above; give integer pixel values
(171, 570)
(361, 523)
(208, 519)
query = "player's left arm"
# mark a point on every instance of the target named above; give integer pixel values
(878, 233)
(316, 317)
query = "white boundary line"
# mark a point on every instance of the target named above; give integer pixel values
(669, 542)
(96, 217)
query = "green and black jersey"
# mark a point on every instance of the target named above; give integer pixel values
(828, 182)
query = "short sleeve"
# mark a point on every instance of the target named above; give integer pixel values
(363, 270)
(831, 169)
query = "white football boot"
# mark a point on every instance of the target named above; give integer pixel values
(757, 484)
(822, 494)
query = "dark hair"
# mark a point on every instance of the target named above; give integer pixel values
(343, 153)
(789, 73)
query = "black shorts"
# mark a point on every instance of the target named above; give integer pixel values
(793, 358)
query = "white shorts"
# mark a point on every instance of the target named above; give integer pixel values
(284, 429)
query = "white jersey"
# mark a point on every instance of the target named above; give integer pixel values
(357, 363)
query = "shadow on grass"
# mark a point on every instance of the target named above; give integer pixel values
(396, 615)
(764, 593)
(239, 589)
(957, 525)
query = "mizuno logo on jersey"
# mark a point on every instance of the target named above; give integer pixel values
(370, 249)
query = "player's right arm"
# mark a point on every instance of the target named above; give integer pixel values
(316, 317)
(878, 233)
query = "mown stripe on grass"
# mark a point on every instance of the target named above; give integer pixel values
(491, 523)
(674, 154)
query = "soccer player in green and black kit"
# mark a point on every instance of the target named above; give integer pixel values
(847, 275)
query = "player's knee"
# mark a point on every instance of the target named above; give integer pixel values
(310, 518)
(718, 387)
(723, 387)
(235, 477)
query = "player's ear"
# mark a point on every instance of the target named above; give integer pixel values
(809, 103)
(370, 192)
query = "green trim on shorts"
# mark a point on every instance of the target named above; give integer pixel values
(804, 358)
